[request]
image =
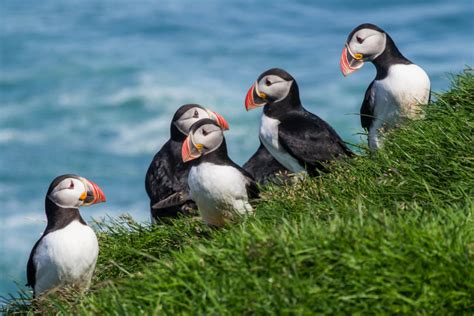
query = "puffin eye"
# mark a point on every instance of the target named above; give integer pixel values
(268, 82)
(71, 185)
(204, 132)
(196, 114)
(359, 39)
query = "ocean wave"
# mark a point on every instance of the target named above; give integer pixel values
(169, 94)
(145, 137)
(24, 220)
(10, 135)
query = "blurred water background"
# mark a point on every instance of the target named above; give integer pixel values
(89, 87)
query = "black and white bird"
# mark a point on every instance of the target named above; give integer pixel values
(263, 166)
(167, 173)
(219, 186)
(298, 139)
(399, 88)
(66, 253)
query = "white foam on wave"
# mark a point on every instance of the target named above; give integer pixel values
(162, 98)
(171, 93)
(19, 233)
(10, 135)
(73, 98)
(149, 92)
(145, 137)
(24, 220)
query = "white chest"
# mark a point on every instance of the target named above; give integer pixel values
(401, 92)
(66, 256)
(269, 131)
(269, 138)
(217, 190)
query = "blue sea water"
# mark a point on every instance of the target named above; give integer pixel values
(89, 87)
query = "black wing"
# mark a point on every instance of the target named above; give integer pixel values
(252, 189)
(30, 266)
(175, 199)
(262, 166)
(367, 109)
(167, 175)
(310, 139)
(159, 176)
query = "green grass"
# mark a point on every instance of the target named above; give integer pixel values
(381, 234)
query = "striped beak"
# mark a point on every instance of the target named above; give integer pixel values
(350, 62)
(254, 98)
(189, 151)
(220, 120)
(93, 193)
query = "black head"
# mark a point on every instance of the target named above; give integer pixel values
(368, 42)
(278, 72)
(367, 26)
(274, 88)
(204, 138)
(72, 191)
(189, 114)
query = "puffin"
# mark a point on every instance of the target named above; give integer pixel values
(66, 253)
(167, 173)
(263, 167)
(297, 139)
(400, 87)
(220, 187)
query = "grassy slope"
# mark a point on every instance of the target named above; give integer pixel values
(392, 233)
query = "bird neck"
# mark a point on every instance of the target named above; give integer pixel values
(218, 156)
(175, 158)
(176, 134)
(59, 217)
(390, 56)
(290, 103)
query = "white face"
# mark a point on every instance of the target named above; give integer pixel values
(274, 87)
(207, 138)
(367, 42)
(190, 117)
(69, 193)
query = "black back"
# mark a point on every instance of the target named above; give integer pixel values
(390, 56)
(311, 141)
(367, 109)
(262, 166)
(166, 175)
(304, 135)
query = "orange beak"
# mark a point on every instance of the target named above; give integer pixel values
(220, 120)
(189, 151)
(252, 97)
(93, 194)
(348, 63)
